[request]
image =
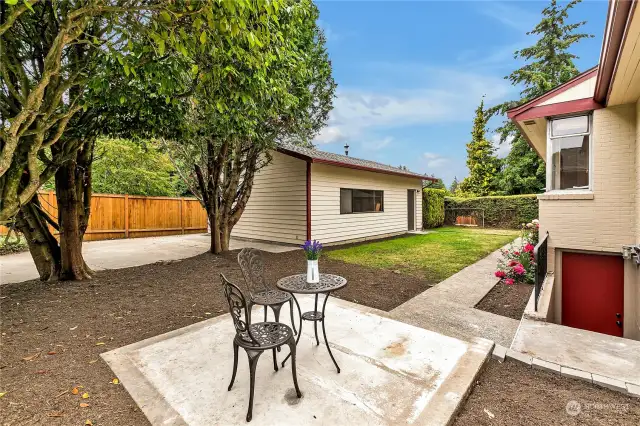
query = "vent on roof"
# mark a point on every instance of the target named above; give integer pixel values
(529, 122)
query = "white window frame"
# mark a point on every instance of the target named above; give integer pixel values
(549, 165)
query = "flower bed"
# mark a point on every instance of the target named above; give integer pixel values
(518, 262)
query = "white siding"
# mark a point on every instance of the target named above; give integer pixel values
(329, 226)
(583, 90)
(277, 208)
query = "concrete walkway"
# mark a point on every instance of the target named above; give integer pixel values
(448, 307)
(125, 253)
(599, 355)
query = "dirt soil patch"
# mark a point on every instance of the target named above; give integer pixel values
(53, 333)
(515, 395)
(506, 300)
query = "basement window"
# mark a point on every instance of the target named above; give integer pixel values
(361, 201)
(569, 149)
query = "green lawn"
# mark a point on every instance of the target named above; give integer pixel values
(434, 256)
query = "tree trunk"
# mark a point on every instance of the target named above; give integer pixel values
(72, 219)
(42, 244)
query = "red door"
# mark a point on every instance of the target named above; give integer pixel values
(593, 292)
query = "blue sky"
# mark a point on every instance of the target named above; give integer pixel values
(411, 73)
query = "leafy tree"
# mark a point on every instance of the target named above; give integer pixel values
(549, 64)
(453, 188)
(438, 184)
(122, 166)
(71, 70)
(275, 85)
(481, 160)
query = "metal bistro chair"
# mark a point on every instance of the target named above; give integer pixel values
(255, 339)
(252, 266)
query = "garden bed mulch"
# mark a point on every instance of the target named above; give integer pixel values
(512, 394)
(53, 333)
(506, 300)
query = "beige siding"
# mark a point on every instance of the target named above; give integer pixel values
(607, 221)
(329, 226)
(579, 91)
(277, 208)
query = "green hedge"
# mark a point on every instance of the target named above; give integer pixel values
(433, 207)
(499, 211)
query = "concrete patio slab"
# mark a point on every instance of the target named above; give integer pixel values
(126, 253)
(583, 350)
(392, 373)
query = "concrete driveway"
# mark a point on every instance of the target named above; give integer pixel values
(116, 254)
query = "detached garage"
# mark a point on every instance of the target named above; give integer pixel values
(309, 194)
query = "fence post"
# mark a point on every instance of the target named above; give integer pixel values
(126, 215)
(182, 215)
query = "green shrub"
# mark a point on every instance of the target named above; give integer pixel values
(509, 211)
(433, 207)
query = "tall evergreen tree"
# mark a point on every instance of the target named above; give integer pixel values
(454, 185)
(481, 159)
(549, 64)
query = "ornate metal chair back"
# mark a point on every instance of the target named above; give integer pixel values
(252, 266)
(238, 304)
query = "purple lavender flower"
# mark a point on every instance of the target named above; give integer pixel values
(312, 249)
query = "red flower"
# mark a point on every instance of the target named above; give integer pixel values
(500, 274)
(517, 253)
(508, 281)
(513, 263)
(519, 269)
(529, 248)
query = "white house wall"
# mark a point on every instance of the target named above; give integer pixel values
(277, 208)
(329, 226)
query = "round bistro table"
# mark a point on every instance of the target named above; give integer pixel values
(298, 284)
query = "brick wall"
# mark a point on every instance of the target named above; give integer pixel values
(609, 220)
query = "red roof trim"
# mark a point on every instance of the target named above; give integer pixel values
(561, 108)
(352, 166)
(514, 112)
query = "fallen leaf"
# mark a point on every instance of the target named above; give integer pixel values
(83, 405)
(51, 353)
(88, 423)
(489, 413)
(100, 343)
(115, 381)
(73, 328)
(56, 414)
(2, 394)
(85, 395)
(31, 357)
(93, 361)
(74, 391)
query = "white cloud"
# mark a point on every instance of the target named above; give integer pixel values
(376, 144)
(512, 16)
(434, 160)
(440, 96)
(502, 149)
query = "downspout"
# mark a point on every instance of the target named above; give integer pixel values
(308, 200)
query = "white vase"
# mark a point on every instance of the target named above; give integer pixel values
(313, 276)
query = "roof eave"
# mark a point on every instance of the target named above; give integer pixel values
(618, 18)
(310, 159)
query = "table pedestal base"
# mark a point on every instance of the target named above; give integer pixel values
(315, 316)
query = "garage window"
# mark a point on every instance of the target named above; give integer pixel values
(361, 201)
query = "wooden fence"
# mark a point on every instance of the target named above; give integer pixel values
(116, 216)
